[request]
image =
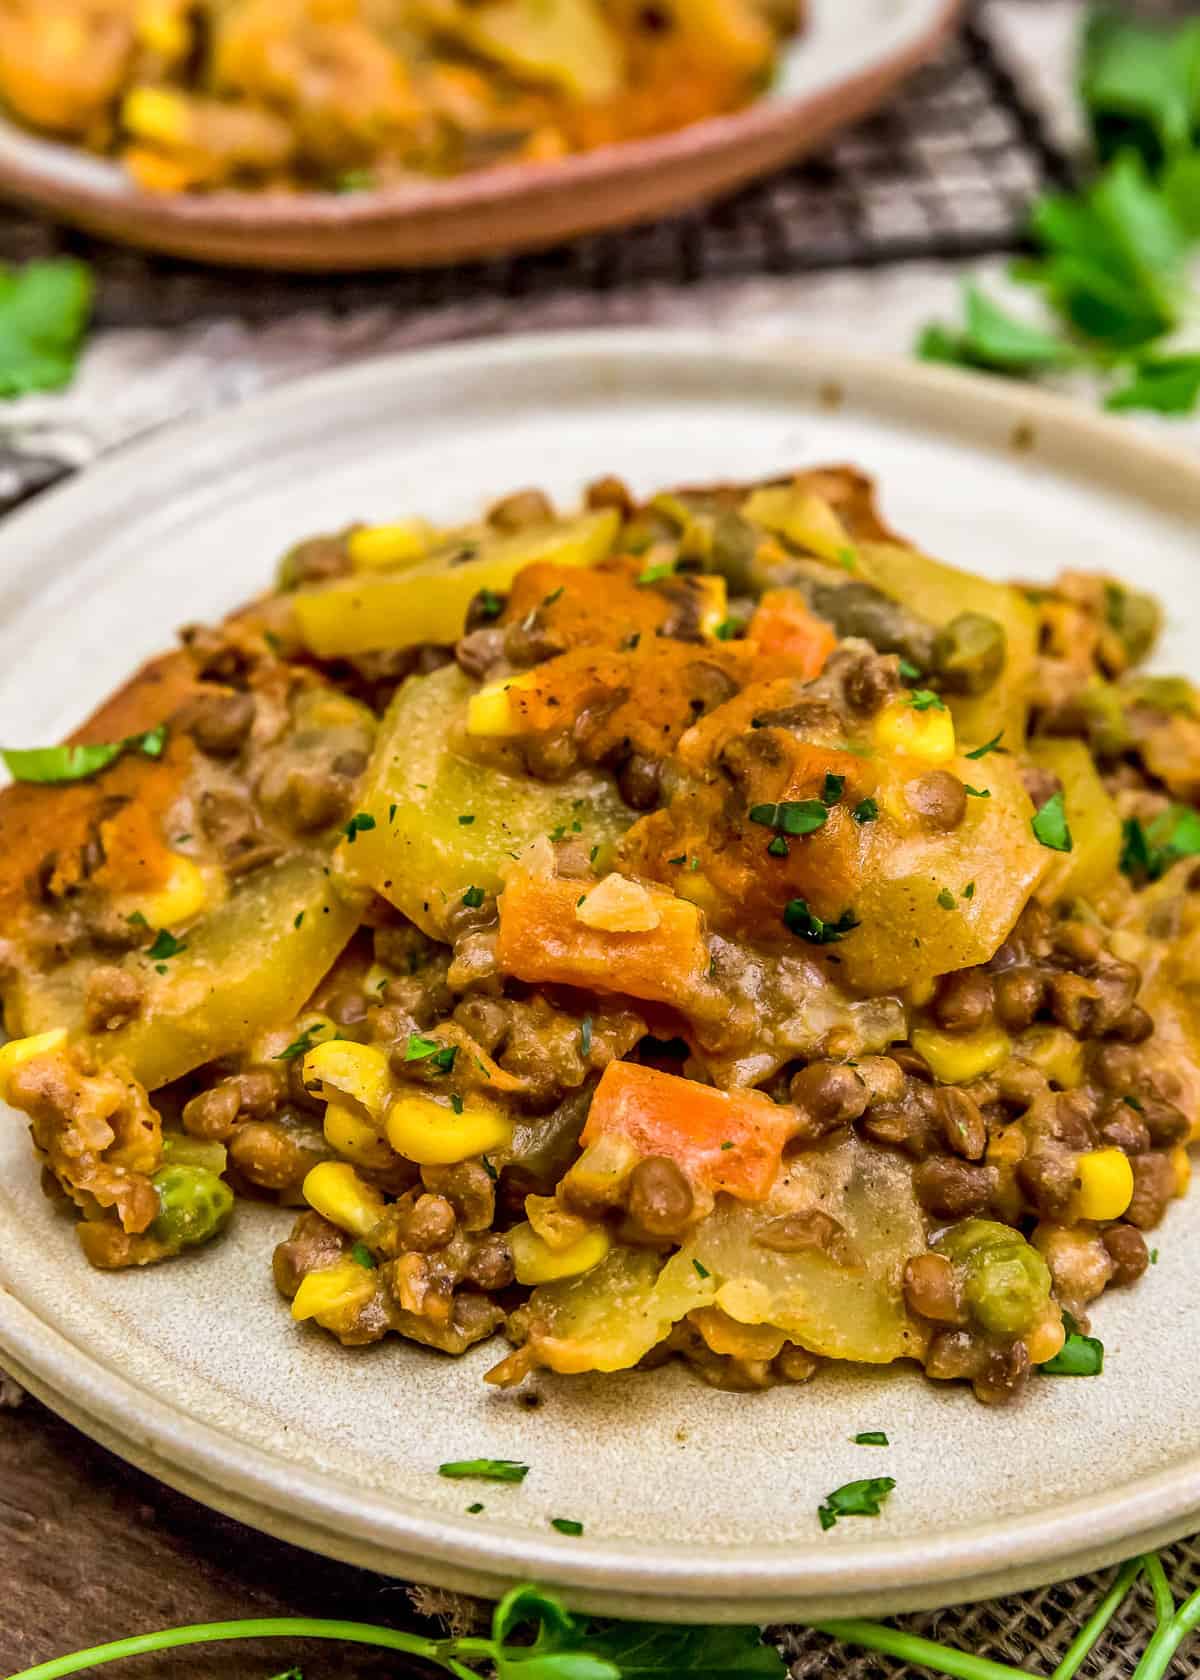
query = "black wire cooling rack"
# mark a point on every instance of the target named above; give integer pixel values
(945, 170)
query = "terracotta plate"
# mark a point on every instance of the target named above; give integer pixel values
(695, 1503)
(852, 54)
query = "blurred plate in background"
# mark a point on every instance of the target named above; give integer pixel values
(851, 55)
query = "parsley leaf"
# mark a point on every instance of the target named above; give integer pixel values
(488, 604)
(865, 811)
(1079, 1356)
(871, 1438)
(484, 1469)
(988, 746)
(566, 1525)
(977, 793)
(1148, 852)
(946, 899)
(910, 672)
(799, 919)
(362, 1256)
(995, 341)
(165, 945)
(855, 1499)
(1050, 825)
(362, 822)
(44, 313)
(924, 700)
(1162, 384)
(792, 816)
(473, 897)
(76, 761)
(702, 1270)
(644, 1651)
(303, 1044)
(832, 788)
(585, 1036)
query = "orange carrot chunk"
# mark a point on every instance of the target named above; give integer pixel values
(783, 623)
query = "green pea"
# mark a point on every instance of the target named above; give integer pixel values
(1006, 1281)
(969, 653)
(1103, 717)
(1135, 617)
(193, 1205)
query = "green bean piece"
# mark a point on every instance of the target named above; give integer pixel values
(969, 653)
(194, 1204)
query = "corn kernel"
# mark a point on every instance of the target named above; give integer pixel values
(957, 1058)
(927, 735)
(154, 114)
(334, 1290)
(335, 1191)
(1181, 1163)
(715, 599)
(183, 895)
(380, 547)
(163, 30)
(1055, 1052)
(534, 1261)
(18, 1051)
(1105, 1185)
(491, 714)
(344, 1070)
(1046, 1339)
(432, 1135)
(353, 1137)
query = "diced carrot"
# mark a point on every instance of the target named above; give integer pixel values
(730, 1141)
(542, 939)
(784, 623)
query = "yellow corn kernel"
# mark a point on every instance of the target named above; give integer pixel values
(380, 547)
(335, 1191)
(182, 896)
(1055, 1052)
(1105, 1185)
(1046, 1338)
(956, 1058)
(334, 1290)
(162, 29)
(346, 1070)
(18, 1051)
(155, 114)
(1181, 1162)
(927, 735)
(491, 714)
(355, 1138)
(715, 598)
(433, 1135)
(534, 1261)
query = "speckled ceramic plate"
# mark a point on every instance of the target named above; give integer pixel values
(695, 1503)
(851, 55)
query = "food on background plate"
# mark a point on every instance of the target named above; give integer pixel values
(194, 95)
(706, 928)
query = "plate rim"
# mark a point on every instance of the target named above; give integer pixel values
(321, 1509)
(72, 180)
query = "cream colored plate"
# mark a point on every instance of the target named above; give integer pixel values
(696, 1504)
(851, 55)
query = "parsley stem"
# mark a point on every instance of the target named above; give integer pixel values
(910, 1647)
(1099, 1619)
(1156, 1659)
(1164, 1598)
(268, 1627)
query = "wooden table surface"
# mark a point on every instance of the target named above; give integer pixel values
(92, 1550)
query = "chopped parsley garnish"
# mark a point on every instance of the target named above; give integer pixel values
(456, 1103)
(681, 859)
(792, 816)
(76, 762)
(362, 1256)
(988, 746)
(302, 1045)
(871, 1438)
(701, 1269)
(137, 920)
(832, 789)
(566, 1525)
(484, 1470)
(554, 595)
(778, 847)
(855, 1499)
(585, 1036)
(473, 897)
(969, 890)
(847, 559)
(799, 919)
(488, 604)
(977, 793)
(865, 811)
(910, 672)
(593, 854)
(392, 809)
(1149, 850)
(1154, 1257)
(728, 1144)
(1050, 825)
(656, 573)
(298, 922)
(925, 700)
(422, 1049)
(728, 629)
(474, 1510)
(466, 818)
(1079, 1356)
(946, 899)
(165, 945)
(362, 822)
